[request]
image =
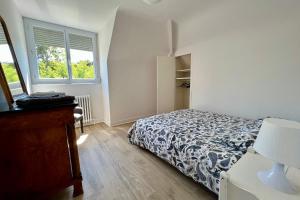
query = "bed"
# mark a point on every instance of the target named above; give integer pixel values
(199, 144)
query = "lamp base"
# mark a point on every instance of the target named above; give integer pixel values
(276, 179)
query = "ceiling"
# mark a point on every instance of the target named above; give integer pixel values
(92, 14)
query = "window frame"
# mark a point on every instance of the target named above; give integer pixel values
(29, 24)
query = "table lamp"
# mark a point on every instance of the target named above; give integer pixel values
(279, 141)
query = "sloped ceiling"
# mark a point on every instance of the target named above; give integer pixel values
(92, 14)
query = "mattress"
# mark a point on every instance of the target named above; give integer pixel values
(199, 144)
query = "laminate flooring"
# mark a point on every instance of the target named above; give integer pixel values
(113, 169)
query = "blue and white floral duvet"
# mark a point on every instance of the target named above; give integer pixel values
(199, 144)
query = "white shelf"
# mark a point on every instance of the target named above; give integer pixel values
(183, 70)
(183, 78)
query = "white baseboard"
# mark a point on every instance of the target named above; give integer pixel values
(93, 122)
(98, 121)
(116, 123)
(129, 120)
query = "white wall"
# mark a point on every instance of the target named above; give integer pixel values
(14, 23)
(94, 90)
(245, 57)
(136, 42)
(104, 46)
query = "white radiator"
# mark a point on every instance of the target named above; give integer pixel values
(85, 103)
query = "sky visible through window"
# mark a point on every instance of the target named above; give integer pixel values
(78, 55)
(5, 55)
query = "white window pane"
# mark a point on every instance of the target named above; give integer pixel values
(82, 59)
(51, 62)
(51, 53)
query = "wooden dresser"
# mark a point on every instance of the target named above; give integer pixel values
(38, 152)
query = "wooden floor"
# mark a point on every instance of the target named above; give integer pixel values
(114, 169)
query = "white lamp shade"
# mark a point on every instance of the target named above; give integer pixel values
(279, 140)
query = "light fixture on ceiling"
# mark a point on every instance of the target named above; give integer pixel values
(151, 2)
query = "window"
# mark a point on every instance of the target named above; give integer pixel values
(81, 53)
(59, 54)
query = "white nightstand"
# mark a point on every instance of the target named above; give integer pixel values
(241, 182)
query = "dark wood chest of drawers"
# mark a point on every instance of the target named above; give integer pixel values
(38, 152)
